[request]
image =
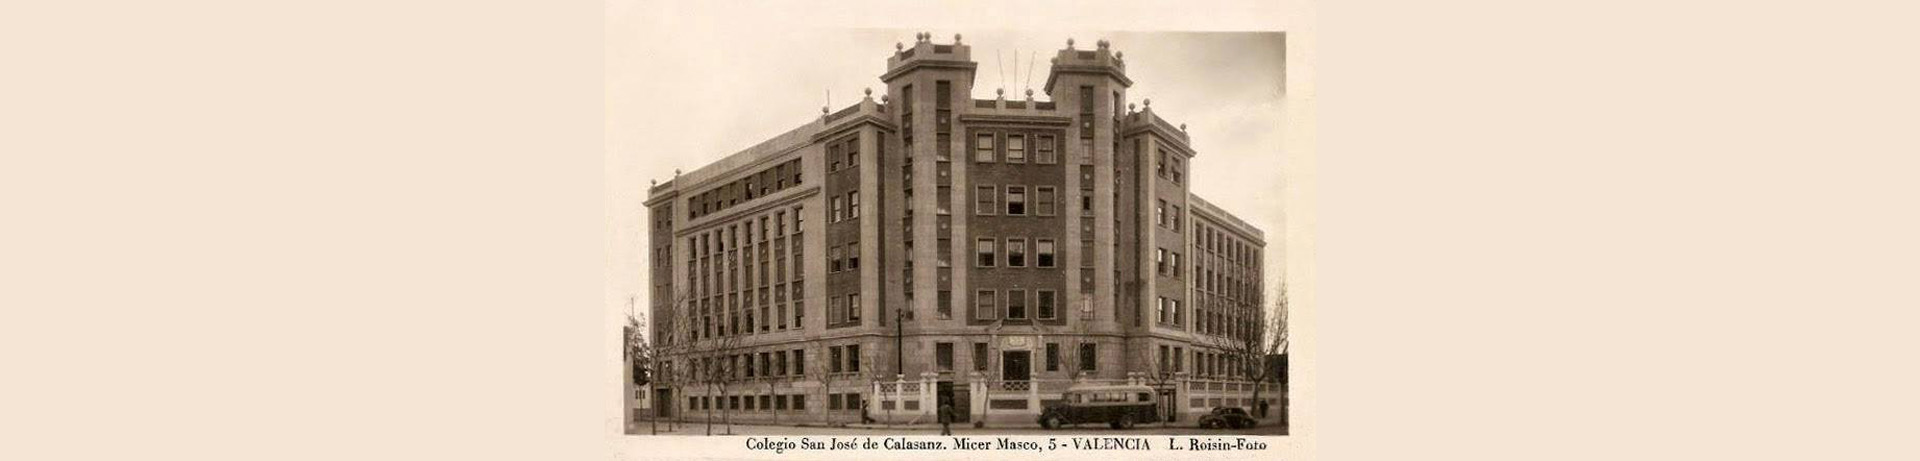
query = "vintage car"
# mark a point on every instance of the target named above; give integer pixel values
(1228, 417)
(1117, 405)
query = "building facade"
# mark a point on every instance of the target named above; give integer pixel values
(931, 247)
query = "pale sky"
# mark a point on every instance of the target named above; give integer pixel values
(683, 92)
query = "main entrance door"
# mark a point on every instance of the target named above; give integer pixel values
(1015, 365)
(947, 393)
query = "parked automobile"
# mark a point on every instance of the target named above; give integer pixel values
(1117, 405)
(1228, 417)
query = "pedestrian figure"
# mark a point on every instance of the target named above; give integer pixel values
(946, 419)
(864, 419)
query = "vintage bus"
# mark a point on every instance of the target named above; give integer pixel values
(1117, 405)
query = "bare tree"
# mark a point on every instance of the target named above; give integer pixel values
(639, 355)
(1249, 348)
(719, 370)
(670, 353)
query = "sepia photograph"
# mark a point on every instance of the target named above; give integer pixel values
(859, 231)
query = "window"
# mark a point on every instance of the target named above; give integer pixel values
(945, 304)
(837, 207)
(943, 200)
(853, 204)
(980, 356)
(1087, 355)
(983, 148)
(1016, 304)
(983, 203)
(1179, 364)
(1053, 356)
(943, 356)
(834, 256)
(836, 310)
(1044, 200)
(1174, 259)
(1160, 261)
(853, 153)
(1043, 248)
(1044, 150)
(853, 307)
(1016, 149)
(833, 157)
(1173, 216)
(984, 304)
(853, 255)
(1016, 200)
(1159, 212)
(853, 359)
(1016, 253)
(800, 402)
(1160, 167)
(799, 362)
(1045, 300)
(833, 356)
(983, 251)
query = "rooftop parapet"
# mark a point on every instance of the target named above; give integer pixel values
(1145, 119)
(1100, 60)
(926, 53)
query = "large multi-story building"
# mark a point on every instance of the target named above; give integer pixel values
(930, 247)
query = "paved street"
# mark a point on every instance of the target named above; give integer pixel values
(643, 428)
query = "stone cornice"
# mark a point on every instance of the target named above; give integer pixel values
(916, 64)
(1016, 119)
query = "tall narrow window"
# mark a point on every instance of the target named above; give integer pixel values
(1053, 356)
(1088, 356)
(1044, 150)
(943, 356)
(1043, 253)
(945, 304)
(853, 358)
(853, 204)
(1016, 149)
(1044, 301)
(1016, 304)
(980, 356)
(983, 148)
(837, 207)
(853, 307)
(1016, 252)
(1016, 200)
(853, 255)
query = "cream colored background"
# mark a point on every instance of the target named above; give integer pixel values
(375, 230)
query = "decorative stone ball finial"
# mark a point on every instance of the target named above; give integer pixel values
(869, 91)
(1129, 107)
(897, 46)
(1102, 43)
(1029, 93)
(1069, 43)
(956, 39)
(1001, 92)
(1119, 54)
(653, 182)
(823, 110)
(676, 172)
(1183, 127)
(883, 99)
(1147, 103)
